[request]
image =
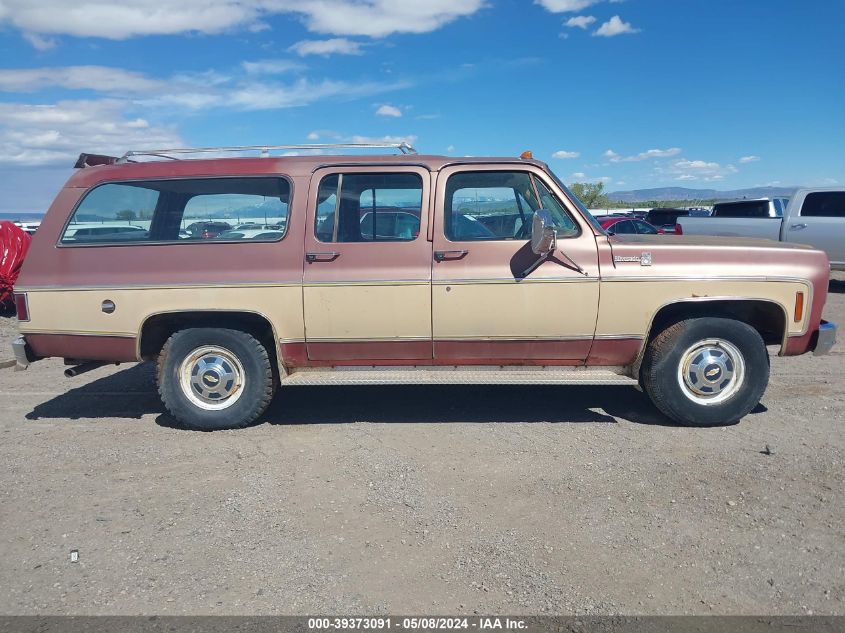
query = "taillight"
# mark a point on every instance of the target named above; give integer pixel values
(679, 230)
(22, 307)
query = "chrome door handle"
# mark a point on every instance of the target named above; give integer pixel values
(798, 227)
(321, 257)
(440, 256)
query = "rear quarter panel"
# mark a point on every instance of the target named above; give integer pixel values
(66, 286)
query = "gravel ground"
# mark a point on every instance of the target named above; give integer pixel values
(421, 499)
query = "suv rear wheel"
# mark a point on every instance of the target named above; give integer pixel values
(211, 378)
(707, 371)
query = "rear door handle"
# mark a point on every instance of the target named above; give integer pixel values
(798, 227)
(321, 257)
(444, 255)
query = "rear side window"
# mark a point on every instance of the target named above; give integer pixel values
(369, 208)
(184, 210)
(824, 204)
(750, 209)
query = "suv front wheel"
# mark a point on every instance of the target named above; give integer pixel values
(213, 378)
(706, 371)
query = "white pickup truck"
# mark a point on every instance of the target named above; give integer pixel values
(813, 216)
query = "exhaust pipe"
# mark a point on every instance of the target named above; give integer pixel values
(73, 372)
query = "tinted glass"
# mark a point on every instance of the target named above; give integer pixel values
(498, 205)
(745, 209)
(369, 208)
(198, 209)
(826, 204)
(644, 229)
(625, 227)
(661, 217)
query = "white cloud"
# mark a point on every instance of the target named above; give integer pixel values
(99, 78)
(565, 6)
(748, 159)
(580, 21)
(334, 46)
(389, 110)
(582, 177)
(707, 171)
(565, 154)
(271, 67)
(34, 135)
(410, 139)
(615, 26)
(255, 91)
(313, 136)
(613, 157)
(119, 20)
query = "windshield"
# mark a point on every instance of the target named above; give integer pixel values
(584, 211)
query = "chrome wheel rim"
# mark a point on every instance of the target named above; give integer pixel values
(212, 378)
(711, 371)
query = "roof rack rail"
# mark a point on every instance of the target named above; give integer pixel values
(265, 150)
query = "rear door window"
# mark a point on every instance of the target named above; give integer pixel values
(824, 204)
(363, 207)
(179, 210)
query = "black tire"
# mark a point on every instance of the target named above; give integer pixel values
(237, 351)
(662, 379)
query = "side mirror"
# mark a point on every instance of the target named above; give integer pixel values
(543, 238)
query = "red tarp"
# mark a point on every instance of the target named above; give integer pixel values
(14, 243)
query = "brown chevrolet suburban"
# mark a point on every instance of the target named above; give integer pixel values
(397, 269)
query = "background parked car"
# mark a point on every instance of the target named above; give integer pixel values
(208, 230)
(666, 218)
(624, 225)
(758, 208)
(105, 232)
(250, 234)
(813, 216)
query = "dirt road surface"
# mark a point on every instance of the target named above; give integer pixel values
(421, 500)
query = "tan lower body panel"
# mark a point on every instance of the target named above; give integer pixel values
(79, 312)
(513, 310)
(628, 306)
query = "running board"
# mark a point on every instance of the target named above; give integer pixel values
(472, 375)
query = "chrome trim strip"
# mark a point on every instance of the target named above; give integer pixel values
(616, 278)
(186, 286)
(516, 339)
(77, 333)
(511, 280)
(384, 339)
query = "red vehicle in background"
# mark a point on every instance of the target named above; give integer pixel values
(14, 243)
(626, 225)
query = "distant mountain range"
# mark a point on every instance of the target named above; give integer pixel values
(682, 193)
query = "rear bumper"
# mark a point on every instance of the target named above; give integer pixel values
(23, 353)
(825, 339)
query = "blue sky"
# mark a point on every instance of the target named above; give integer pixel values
(639, 93)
